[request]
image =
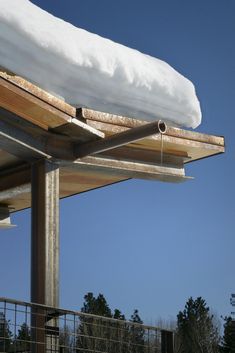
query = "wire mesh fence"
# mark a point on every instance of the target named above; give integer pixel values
(27, 327)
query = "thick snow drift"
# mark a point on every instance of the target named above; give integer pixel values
(90, 71)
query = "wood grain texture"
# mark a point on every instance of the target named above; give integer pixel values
(38, 92)
(30, 107)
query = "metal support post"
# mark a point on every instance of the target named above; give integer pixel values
(44, 247)
(121, 139)
(167, 341)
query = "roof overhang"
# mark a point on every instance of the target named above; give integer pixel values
(36, 125)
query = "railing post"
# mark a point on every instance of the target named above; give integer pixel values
(44, 248)
(167, 342)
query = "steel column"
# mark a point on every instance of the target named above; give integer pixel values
(45, 234)
(44, 245)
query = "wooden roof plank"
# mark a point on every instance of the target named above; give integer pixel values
(30, 107)
(26, 104)
(38, 92)
(116, 121)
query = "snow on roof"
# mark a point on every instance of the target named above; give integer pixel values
(90, 71)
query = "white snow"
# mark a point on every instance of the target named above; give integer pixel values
(90, 71)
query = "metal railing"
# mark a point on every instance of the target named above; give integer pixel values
(27, 327)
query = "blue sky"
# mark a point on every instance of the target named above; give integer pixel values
(151, 245)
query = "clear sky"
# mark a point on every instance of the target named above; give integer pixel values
(143, 244)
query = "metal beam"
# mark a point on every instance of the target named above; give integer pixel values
(29, 142)
(120, 139)
(5, 221)
(16, 181)
(11, 178)
(16, 141)
(142, 155)
(127, 169)
(14, 192)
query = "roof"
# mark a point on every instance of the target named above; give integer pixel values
(34, 124)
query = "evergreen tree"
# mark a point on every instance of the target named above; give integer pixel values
(119, 333)
(23, 338)
(96, 306)
(5, 334)
(118, 315)
(94, 332)
(195, 329)
(228, 343)
(24, 333)
(136, 334)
